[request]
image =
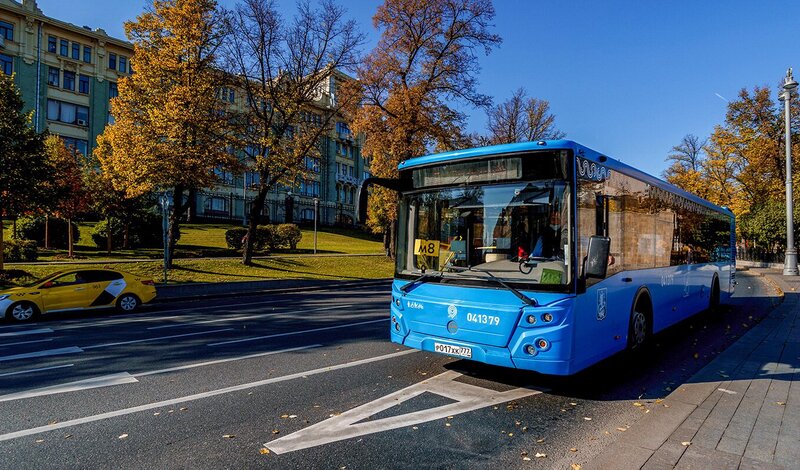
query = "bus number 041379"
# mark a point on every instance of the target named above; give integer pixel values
(483, 319)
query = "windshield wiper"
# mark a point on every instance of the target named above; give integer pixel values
(496, 279)
(424, 276)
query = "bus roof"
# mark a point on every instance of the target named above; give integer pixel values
(583, 151)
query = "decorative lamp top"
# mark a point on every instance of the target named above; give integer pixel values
(789, 83)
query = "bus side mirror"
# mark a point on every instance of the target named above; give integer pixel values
(363, 194)
(596, 261)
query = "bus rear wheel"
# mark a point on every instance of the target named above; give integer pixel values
(713, 301)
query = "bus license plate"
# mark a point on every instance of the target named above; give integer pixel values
(460, 351)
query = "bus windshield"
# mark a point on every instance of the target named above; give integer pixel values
(517, 232)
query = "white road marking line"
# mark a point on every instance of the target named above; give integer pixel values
(243, 317)
(198, 396)
(346, 426)
(46, 352)
(86, 384)
(278, 335)
(27, 332)
(145, 340)
(26, 342)
(220, 361)
(35, 370)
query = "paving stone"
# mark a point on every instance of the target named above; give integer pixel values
(666, 456)
(737, 433)
(764, 437)
(620, 456)
(702, 458)
(655, 428)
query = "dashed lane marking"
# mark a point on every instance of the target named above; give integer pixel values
(44, 353)
(278, 335)
(25, 342)
(29, 371)
(198, 396)
(26, 332)
(159, 338)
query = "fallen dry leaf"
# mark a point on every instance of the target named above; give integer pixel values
(275, 431)
(523, 453)
(414, 428)
(52, 422)
(539, 441)
(524, 428)
(573, 449)
(511, 434)
(67, 436)
(540, 455)
(587, 418)
(686, 443)
(184, 408)
(576, 466)
(526, 459)
(780, 403)
(638, 404)
(573, 404)
(156, 413)
(447, 424)
(286, 416)
(263, 451)
(621, 429)
(123, 436)
(228, 436)
(39, 441)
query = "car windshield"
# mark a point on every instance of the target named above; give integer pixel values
(518, 232)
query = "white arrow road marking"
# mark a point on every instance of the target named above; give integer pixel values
(94, 382)
(27, 332)
(46, 352)
(346, 426)
(197, 396)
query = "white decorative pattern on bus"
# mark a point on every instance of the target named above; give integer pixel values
(591, 170)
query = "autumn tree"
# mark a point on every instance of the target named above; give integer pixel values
(68, 194)
(521, 119)
(686, 165)
(425, 63)
(22, 163)
(171, 127)
(289, 71)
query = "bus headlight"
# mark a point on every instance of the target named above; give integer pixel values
(530, 349)
(542, 344)
(531, 319)
(547, 317)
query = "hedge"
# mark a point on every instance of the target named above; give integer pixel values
(144, 232)
(32, 228)
(268, 237)
(16, 250)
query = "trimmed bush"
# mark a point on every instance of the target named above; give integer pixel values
(235, 238)
(32, 228)
(289, 234)
(16, 250)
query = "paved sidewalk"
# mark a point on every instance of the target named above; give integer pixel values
(740, 411)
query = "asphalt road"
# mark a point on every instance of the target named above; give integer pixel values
(309, 380)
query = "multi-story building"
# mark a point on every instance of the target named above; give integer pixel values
(67, 74)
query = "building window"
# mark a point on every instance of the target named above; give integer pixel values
(112, 61)
(53, 76)
(252, 178)
(83, 84)
(6, 64)
(76, 145)
(7, 31)
(312, 164)
(123, 64)
(87, 54)
(67, 113)
(69, 80)
(113, 92)
(51, 44)
(76, 51)
(64, 50)
(224, 177)
(218, 205)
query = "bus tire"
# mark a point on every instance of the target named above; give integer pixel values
(713, 300)
(640, 328)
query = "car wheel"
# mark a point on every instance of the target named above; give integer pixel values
(23, 311)
(128, 303)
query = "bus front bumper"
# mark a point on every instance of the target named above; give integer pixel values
(498, 356)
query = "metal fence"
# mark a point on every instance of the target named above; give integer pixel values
(760, 255)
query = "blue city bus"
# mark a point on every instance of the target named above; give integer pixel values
(548, 256)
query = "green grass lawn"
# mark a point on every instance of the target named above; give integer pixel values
(221, 270)
(208, 240)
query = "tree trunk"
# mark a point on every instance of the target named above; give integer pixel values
(191, 215)
(109, 242)
(126, 241)
(70, 240)
(392, 239)
(179, 207)
(47, 231)
(256, 207)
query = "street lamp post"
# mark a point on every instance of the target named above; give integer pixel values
(790, 263)
(166, 203)
(316, 211)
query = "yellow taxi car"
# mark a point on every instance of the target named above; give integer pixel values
(77, 289)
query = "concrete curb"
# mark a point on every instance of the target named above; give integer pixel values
(248, 288)
(646, 438)
(205, 258)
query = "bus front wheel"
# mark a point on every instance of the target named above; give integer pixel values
(640, 328)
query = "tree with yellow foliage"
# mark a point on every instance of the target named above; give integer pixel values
(424, 62)
(171, 128)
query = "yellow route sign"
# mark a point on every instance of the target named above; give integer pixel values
(426, 247)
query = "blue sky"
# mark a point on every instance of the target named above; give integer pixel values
(627, 78)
